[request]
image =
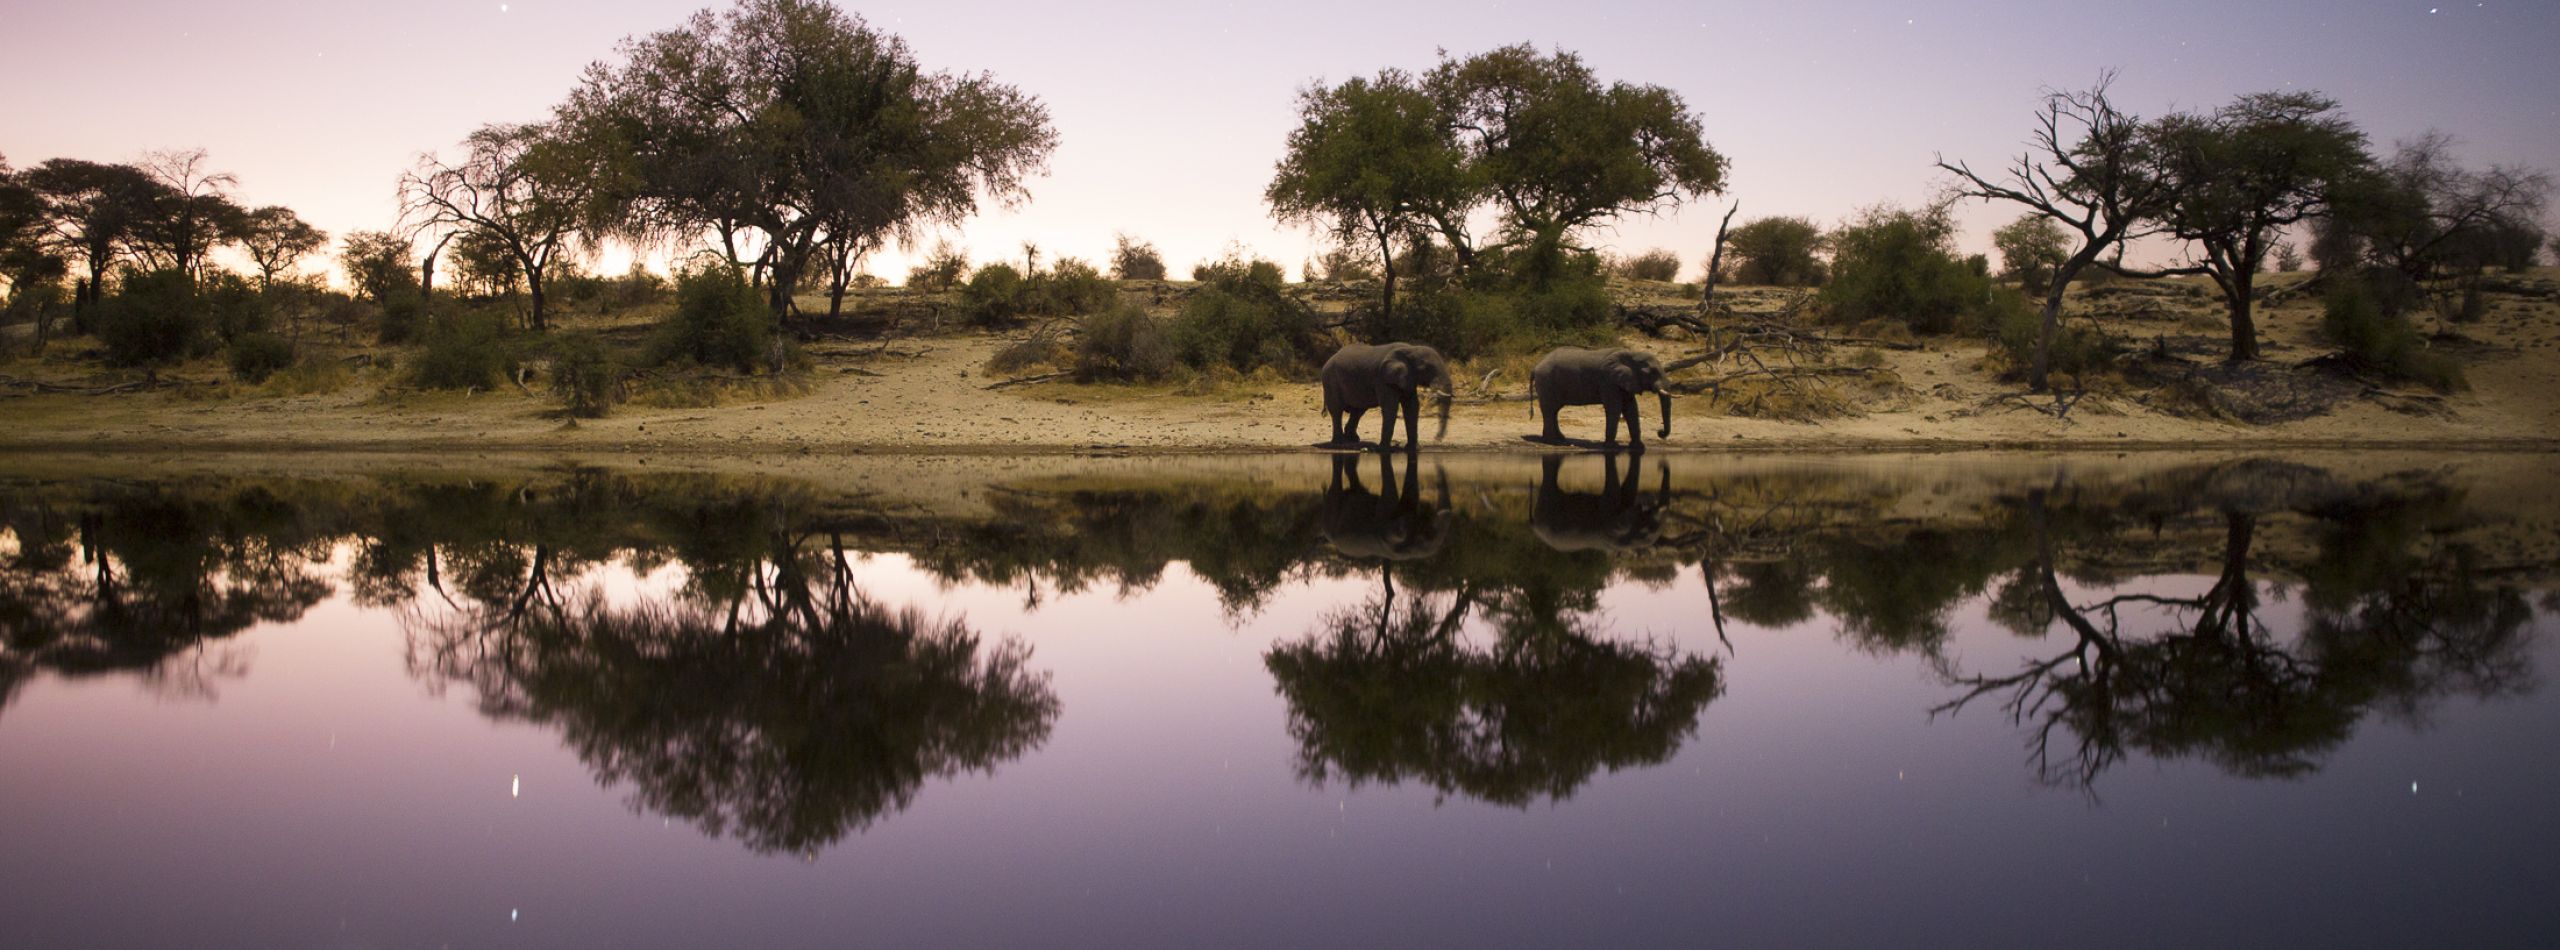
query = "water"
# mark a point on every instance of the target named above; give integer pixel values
(1916, 702)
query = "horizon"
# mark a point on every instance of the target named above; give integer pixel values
(1169, 126)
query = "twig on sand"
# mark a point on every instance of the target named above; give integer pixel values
(1024, 380)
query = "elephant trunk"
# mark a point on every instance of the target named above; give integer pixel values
(1444, 397)
(1665, 395)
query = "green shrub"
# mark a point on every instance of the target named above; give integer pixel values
(153, 318)
(1133, 259)
(2032, 249)
(940, 271)
(637, 288)
(1342, 264)
(1123, 343)
(1894, 264)
(1775, 252)
(2079, 348)
(719, 320)
(996, 295)
(2378, 338)
(404, 318)
(1244, 318)
(1461, 324)
(585, 376)
(1568, 303)
(232, 307)
(464, 350)
(1656, 265)
(1072, 287)
(256, 356)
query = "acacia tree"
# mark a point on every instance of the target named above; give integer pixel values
(1777, 252)
(1372, 161)
(2088, 169)
(190, 212)
(780, 127)
(277, 239)
(2234, 179)
(1555, 151)
(2423, 212)
(515, 188)
(91, 210)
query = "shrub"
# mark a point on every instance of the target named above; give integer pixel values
(2031, 249)
(719, 320)
(940, 271)
(404, 318)
(2079, 348)
(1895, 264)
(1133, 259)
(1775, 252)
(377, 263)
(636, 288)
(1072, 287)
(1245, 318)
(2288, 258)
(1461, 324)
(1655, 265)
(154, 318)
(585, 376)
(997, 295)
(464, 350)
(256, 356)
(1123, 343)
(1345, 264)
(2378, 338)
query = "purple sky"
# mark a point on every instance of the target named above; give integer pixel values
(1170, 115)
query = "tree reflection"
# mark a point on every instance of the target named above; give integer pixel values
(772, 700)
(2207, 676)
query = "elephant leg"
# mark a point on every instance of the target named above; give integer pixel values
(1635, 423)
(1351, 426)
(1609, 431)
(1336, 416)
(1387, 432)
(1549, 409)
(1413, 422)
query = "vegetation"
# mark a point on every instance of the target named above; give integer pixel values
(1655, 265)
(942, 270)
(464, 350)
(256, 356)
(1891, 263)
(1123, 344)
(1243, 318)
(1777, 252)
(719, 320)
(1133, 259)
(2378, 338)
(154, 318)
(2032, 249)
(585, 376)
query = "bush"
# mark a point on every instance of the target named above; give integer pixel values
(232, 308)
(1244, 318)
(1775, 252)
(1895, 264)
(256, 356)
(1133, 259)
(1655, 265)
(637, 288)
(1072, 287)
(154, 318)
(2079, 349)
(719, 320)
(1461, 324)
(1123, 343)
(585, 376)
(1343, 264)
(464, 350)
(997, 295)
(404, 318)
(940, 271)
(2031, 249)
(2378, 338)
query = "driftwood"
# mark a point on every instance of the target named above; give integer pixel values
(1025, 380)
(1715, 261)
(140, 385)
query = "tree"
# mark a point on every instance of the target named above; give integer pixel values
(2235, 178)
(377, 263)
(2422, 214)
(1555, 151)
(1133, 259)
(190, 212)
(92, 210)
(1371, 161)
(780, 126)
(516, 189)
(30, 268)
(2031, 248)
(1898, 264)
(1777, 252)
(2087, 168)
(277, 239)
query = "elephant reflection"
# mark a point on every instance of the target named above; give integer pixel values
(1395, 526)
(1622, 517)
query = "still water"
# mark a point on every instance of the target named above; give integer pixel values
(1580, 701)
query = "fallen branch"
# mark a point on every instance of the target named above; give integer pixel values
(1024, 380)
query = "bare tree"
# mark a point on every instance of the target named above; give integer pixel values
(193, 212)
(511, 189)
(2085, 169)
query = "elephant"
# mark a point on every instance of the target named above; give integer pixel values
(1394, 526)
(1387, 377)
(1620, 518)
(1574, 376)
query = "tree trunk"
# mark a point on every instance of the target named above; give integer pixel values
(1715, 261)
(2039, 375)
(427, 269)
(533, 288)
(1387, 297)
(2244, 326)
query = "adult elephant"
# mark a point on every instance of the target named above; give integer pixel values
(1387, 377)
(1611, 379)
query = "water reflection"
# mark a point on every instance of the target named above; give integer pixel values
(708, 644)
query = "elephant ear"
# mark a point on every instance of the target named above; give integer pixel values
(1623, 374)
(1398, 373)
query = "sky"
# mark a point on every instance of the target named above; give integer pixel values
(1170, 116)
